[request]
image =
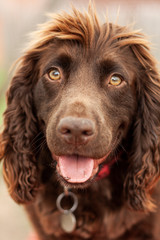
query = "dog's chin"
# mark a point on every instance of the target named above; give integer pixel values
(69, 185)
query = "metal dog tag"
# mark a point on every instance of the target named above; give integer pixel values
(67, 218)
(68, 222)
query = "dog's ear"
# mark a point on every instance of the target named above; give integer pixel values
(145, 155)
(20, 128)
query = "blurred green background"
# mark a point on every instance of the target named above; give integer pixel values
(17, 19)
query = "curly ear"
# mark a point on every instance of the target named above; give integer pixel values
(20, 128)
(144, 168)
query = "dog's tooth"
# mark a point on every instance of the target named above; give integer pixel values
(67, 178)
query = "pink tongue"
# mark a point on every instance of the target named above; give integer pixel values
(76, 169)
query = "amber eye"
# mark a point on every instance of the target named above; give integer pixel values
(115, 80)
(54, 74)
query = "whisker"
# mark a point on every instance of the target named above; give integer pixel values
(39, 140)
(36, 137)
(40, 146)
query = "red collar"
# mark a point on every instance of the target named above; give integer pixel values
(105, 170)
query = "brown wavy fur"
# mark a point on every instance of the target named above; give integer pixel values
(20, 122)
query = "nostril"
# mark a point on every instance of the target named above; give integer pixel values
(65, 131)
(87, 133)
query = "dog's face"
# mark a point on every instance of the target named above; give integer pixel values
(84, 101)
(91, 89)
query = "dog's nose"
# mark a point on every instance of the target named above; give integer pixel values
(76, 131)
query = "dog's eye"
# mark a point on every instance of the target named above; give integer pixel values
(115, 80)
(54, 74)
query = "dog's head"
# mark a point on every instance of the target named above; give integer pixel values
(85, 100)
(84, 86)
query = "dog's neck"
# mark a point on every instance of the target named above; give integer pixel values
(105, 170)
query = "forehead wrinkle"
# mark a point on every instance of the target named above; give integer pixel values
(117, 56)
(56, 51)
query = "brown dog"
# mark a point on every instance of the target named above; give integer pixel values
(83, 112)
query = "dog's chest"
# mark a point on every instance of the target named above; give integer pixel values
(91, 209)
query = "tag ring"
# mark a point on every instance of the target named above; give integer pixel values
(60, 198)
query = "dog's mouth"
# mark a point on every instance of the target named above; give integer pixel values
(77, 169)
